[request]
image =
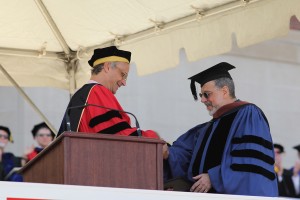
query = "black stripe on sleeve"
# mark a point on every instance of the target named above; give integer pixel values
(253, 169)
(115, 128)
(134, 133)
(103, 118)
(253, 154)
(253, 139)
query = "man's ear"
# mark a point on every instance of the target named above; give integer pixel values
(106, 66)
(225, 90)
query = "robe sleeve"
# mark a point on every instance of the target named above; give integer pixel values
(180, 154)
(31, 155)
(247, 166)
(100, 120)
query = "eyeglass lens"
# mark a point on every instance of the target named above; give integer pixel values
(44, 135)
(4, 136)
(205, 95)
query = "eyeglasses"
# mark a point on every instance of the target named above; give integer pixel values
(43, 135)
(4, 136)
(206, 95)
(123, 74)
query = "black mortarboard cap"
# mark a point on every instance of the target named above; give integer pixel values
(297, 147)
(109, 54)
(280, 147)
(217, 71)
(6, 129)
(37, 127)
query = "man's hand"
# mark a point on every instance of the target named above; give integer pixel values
(165, 151)
(202, 184)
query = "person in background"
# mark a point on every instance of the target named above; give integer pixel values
(233, 152)
(43, 136)
(284, 176)
(110, 68)
(296, 172)
(8, 161)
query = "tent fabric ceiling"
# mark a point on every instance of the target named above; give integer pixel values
(87, 23)
(154, 31)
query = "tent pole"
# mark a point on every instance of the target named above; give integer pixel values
(72, 67)
(27, 98)
(53, 26)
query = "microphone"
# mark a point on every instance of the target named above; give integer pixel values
(68, 122)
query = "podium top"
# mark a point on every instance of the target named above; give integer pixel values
(66, 136)
(107, 137)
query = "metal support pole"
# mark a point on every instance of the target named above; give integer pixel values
(53, 27)
(72, 67)
(27, 98)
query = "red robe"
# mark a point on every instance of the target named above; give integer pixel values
(34, 153)
(31, 155)
(92, 119)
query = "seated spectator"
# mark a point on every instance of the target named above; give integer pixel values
(43, 136)
(284, 176)
(8, 161)
(296, 173)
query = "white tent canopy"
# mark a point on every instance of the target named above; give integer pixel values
(48, 42)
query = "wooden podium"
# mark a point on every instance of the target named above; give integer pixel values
(99, 160)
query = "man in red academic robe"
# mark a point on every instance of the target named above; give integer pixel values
(110, 67)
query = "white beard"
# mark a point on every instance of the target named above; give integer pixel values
(213, 111)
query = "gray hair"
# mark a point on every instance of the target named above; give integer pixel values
(98, 68)
(221, 82)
